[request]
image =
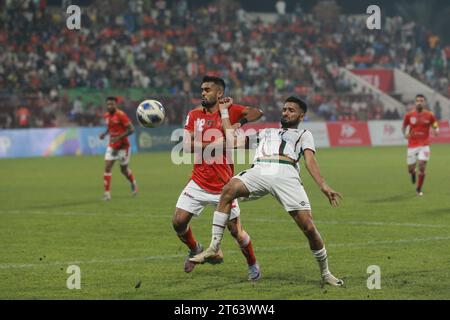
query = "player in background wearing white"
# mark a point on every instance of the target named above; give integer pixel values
(275, 171)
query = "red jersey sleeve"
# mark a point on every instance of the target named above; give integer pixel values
(189, 124)
(235, 112)
(432, 118)
(406, 120)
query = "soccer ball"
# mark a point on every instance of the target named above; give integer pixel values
(150, 113)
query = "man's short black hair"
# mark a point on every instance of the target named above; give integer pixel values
(421, 96)
(112, 98)
(215, 80)
(301, 103)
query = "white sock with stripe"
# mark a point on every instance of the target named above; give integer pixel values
(322, 259)
(220, 220)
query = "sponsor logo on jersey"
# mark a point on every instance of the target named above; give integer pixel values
(413, 120)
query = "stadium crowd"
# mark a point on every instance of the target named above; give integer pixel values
(149, 45)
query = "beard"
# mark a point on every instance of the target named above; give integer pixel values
(288, 124)
(208, 104)
(419, 107)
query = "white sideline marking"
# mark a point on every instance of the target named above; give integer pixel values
(168, 257)
(169, 216)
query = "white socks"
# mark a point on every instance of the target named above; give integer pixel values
(220, 220)
(322, 259)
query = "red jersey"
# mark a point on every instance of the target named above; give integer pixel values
(419, 127)
(211, 176)
(117, 124)
(24, 116)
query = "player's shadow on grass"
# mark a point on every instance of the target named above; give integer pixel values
(393, 198)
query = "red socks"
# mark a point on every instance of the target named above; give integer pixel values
(247, 250)
(188, 239)
(420, 181)
(107, 181)
(130, 176)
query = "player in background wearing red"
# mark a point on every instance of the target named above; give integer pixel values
(119, 128)
(208, 178)
(419, 122)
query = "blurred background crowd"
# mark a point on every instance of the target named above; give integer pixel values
(51, 76)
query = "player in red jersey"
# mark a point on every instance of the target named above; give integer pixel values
(419, 122)
(208, 178)
(119, 128)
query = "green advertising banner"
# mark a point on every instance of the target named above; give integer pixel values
(157, 139)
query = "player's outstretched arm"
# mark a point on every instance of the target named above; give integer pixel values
(313, 169)
(251, 114)
(234, 137)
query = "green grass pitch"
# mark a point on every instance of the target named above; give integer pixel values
(51, 216)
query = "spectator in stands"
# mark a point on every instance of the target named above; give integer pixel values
(77, 110)
(438, 110)
(23, 117)
(5, 120)
(163, 54)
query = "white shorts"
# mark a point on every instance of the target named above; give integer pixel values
(194, 198)
(282, 180)
(419, 153)
(123, 155)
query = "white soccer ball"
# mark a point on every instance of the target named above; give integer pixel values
(150, 113)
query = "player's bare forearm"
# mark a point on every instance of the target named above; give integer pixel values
(313, 169)
(405, 134)
(252, 114)
(224, 104)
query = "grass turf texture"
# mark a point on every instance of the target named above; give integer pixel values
(51, 216)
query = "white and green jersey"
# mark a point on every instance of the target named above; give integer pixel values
(283, 142)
